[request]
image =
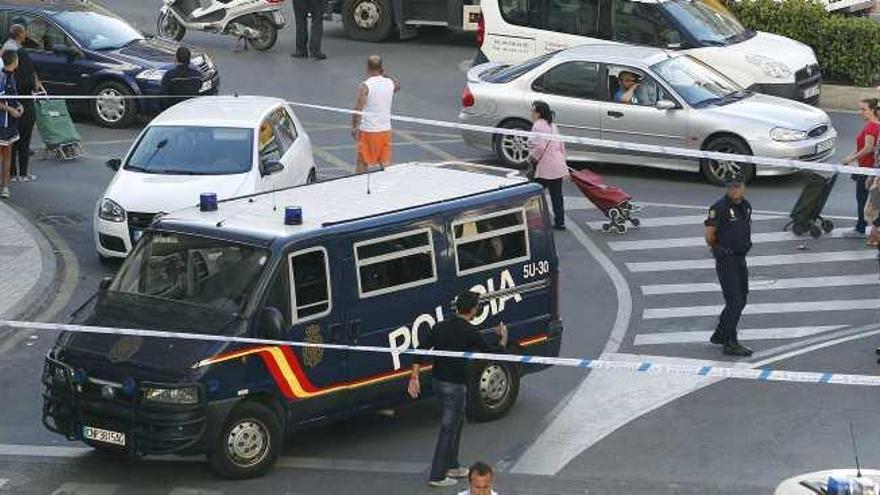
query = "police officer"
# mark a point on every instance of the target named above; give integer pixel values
(729, 235)
(183, 81)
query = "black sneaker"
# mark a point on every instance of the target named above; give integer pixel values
(715, 338)
(299, 55)
(559, 227)
(319, 56)
(737, 350)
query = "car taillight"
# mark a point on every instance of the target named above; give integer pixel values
(481, 30)
(467, 98)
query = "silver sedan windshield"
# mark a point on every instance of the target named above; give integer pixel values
(698, 84)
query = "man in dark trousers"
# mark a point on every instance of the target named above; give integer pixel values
(183, 81)
(309, 45)
(450, 377)
(28, 83)
(729, 235)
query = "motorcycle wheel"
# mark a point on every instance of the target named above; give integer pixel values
(167, 26)
(268, 34)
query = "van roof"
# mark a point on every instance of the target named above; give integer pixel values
(631, 55)
(224, 111)
(400, 187)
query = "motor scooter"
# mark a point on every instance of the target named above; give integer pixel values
(256, 21)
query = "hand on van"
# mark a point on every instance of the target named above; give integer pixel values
(501, 330)
(415, 387)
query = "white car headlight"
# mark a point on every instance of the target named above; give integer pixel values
(771, 68)
(111, 211)
(184, 395)
(783, 134)
(151, 74)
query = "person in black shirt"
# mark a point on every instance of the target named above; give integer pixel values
(729, 235)
(28, 83)
(450, 377)
(183, 81)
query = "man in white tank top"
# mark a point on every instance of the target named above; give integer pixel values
(372, 129)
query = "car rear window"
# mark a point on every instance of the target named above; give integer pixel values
(507, 73)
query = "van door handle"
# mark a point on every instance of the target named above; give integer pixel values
(354, 328)
(614, 114)
(336, 334)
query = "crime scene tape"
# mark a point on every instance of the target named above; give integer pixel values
(592, 142)
(637, 367)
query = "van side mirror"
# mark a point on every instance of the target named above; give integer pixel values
(114, 164)
(105, 283)
(270, 324)
(269, 168)
(666, 105)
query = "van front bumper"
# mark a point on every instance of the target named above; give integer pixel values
(806, 87)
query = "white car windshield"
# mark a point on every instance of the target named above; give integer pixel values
(697, 83)
(709, 22)
(193, 150)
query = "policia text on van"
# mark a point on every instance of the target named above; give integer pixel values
(374, 268)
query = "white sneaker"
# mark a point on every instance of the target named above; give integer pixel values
(4, 193)
(447, 481)
(459, 472)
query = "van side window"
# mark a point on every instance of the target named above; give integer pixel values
(309, 274)
(396, 262)
(491, 241)
(563, 16)
(643, 24)
(575, 79)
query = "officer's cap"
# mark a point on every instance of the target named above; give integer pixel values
(734, 179)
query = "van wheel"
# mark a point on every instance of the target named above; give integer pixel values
(512, 151)
(113, 108)
(248, 444)
(492, 390)
(367, 20)
(717, 171)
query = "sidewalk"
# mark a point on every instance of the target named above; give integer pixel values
(27, 264)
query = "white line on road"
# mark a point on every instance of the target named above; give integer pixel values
(767, 284)
(763, 308)
(86, 489)
(3, 482)
(770, 260)
(443, 155)
(675, 221)
(700, 241)
(747, 334)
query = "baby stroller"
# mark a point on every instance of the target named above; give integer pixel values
(612, 200)
(806, 216)
(57, 130)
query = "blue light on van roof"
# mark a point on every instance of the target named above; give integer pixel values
(293, 215)
(208, 202)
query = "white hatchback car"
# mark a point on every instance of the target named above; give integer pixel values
(228, 145)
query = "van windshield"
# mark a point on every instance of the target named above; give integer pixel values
(193, 150)
(707, 21)
(193, 271)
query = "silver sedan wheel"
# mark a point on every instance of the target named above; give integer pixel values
(515, 148)
(110, 105)
(494, 385)
(248, 443)
(366, 15)
(722, 169)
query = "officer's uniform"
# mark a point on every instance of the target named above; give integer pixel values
(182, 82)
(733, 224)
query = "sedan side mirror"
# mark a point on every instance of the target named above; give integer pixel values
(666, 105)
(105, 283)
(269, 168)
(270, 324)
(114, 164)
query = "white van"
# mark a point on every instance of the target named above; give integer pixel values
(517, 30)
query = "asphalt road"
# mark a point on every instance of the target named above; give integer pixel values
(570, 432)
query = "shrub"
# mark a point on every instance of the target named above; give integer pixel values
(847, 48)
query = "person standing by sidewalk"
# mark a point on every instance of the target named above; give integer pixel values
(548, 157)
(309, 44)
(371, 128)
(729, 235)
(866, 142)
(450, 377)
(10, 111)
(28, 83)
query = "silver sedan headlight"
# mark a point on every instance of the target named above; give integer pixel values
(787, 135)
(772, 68)
(184, 395)
(111, 211)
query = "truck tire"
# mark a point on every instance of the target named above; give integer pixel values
(492, 390)
(249, 443)
(367, 20)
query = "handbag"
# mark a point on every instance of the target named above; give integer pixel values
(532, 162)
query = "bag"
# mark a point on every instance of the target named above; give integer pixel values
(532, 161)
(872, 205)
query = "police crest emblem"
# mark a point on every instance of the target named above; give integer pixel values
(124, 348)
(312, 356)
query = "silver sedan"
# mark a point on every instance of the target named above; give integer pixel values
(647, 96)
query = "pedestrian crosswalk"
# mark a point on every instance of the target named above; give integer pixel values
(799, 288)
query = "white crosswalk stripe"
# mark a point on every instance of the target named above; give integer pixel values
(3, 482)
(772, 284)
(676, 220)
(764, 308)
(700, 241)
(86, 489)
(700, 336)
(771, 260)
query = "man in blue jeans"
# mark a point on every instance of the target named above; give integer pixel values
(450, 378)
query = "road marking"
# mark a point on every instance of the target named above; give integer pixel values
(764, 308)
(578, 203)
(340, 147)
(771, 284)
(425, 146)
(747, 334)
(193, 491)
(330, 157)
(771, 260)
(678, 242)
(86, 489)
(675, 221)
(3, 482)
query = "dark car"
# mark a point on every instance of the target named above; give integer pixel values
(80, 48)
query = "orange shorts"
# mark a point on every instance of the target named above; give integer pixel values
(374, 148)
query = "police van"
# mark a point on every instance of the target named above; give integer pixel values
(368, 260)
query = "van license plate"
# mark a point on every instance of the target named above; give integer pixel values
(206, 86)
(812, 92)
(104, 436)
(825, 146)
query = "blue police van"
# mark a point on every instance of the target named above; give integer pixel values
(373, 260)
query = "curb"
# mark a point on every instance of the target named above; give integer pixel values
(844, 98)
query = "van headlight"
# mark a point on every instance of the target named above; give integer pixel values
(111, 211)
(771, 68)
(785, 135)
(183, 395)
(151, 75)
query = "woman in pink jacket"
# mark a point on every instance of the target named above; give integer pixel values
(549, 157)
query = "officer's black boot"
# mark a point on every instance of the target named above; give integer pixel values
(716, 337)
(737, 349)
